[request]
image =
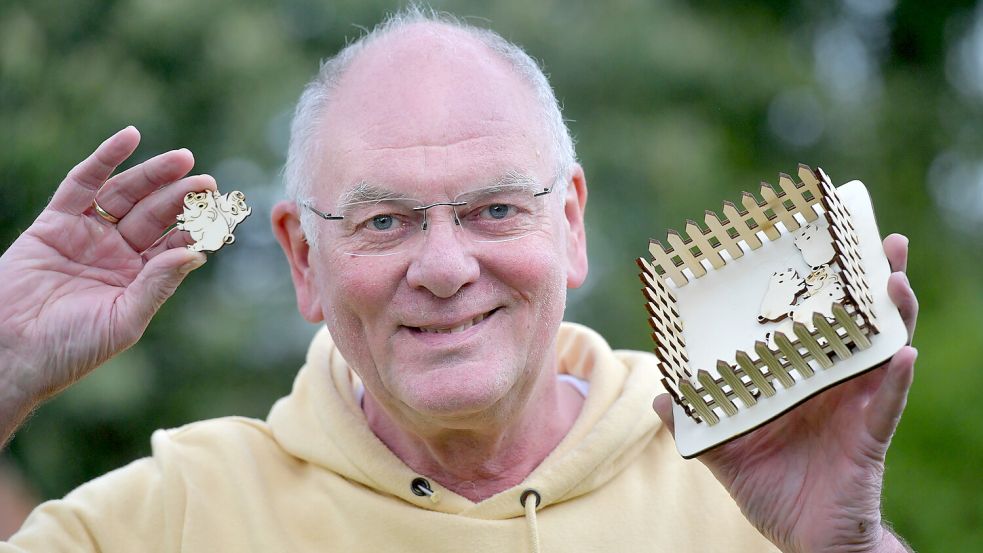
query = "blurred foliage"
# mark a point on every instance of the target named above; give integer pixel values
(676, 106)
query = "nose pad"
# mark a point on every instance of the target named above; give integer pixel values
(426, 211)
(444, 263)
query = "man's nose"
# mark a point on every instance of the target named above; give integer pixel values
(444, 262)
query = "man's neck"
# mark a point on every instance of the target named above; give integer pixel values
(479, 464)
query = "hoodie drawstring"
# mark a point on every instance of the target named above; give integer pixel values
(530, 507)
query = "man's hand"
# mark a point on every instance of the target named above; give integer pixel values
(811, 480)
(76, 289)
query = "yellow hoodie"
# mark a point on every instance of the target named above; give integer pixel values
(313, 477)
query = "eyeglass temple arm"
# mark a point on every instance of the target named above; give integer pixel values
(322, 214)
(545, 190)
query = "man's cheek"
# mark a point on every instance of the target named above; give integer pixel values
(366, 294)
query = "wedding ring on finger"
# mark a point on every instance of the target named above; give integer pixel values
(106, 216)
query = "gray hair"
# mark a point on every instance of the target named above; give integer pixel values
(297, 173)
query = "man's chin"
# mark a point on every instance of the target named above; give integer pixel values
(456, 404)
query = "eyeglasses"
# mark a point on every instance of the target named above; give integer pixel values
(388, 226)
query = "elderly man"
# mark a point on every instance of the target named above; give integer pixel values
(435, 223)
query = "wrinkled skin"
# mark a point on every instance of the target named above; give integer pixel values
(811, 480)
(77, 289)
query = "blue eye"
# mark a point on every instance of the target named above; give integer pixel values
(498, 211)
(382, 222)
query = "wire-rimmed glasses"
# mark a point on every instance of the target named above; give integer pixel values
(391, 225)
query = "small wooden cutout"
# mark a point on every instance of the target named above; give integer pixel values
(820, 302)
(815, 243)
(783, 289)
(211, 218)
(819, 278)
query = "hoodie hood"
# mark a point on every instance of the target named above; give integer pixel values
(322, 423)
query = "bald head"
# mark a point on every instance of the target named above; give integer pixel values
(420, 82)
(431, 91)
(433, 76)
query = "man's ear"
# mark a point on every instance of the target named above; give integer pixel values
(573, 208)
(286, 228)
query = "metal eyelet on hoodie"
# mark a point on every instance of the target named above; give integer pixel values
(421, 487)
(527, 493)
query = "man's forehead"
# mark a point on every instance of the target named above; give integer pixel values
(428, 85)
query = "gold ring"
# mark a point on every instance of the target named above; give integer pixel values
(106, 216)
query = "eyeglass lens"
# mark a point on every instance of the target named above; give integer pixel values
(493, 214)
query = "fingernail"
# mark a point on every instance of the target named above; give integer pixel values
(198, 261)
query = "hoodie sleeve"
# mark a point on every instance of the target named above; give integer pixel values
(123, 510)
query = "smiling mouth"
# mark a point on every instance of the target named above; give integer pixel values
(452, 330)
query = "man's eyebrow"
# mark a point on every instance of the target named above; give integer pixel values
(365, 191)
(509, 181)
(515, 178)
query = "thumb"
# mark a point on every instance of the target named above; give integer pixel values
(663, 407)
(157, 281)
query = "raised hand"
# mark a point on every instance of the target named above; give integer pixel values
(811, 480)
(77, 288)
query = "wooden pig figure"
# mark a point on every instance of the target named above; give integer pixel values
(819, 278)
(815, 243)
(822, 289)
(210, 218)
(820, 300)
(783, 288)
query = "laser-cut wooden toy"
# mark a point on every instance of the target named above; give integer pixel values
(211, 218)
(740, 336)
(784, 288)
(815, 243)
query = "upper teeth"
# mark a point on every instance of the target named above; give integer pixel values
(460, 328)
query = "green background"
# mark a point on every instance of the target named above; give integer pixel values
(675, 107)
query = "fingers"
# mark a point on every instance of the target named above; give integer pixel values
(884, 410)
(900, 292)
(663, 407)
(896, 249)
(152, 215)
(157, 281)
(173, 239)
(122, 192)
(76, 192)
(898, 287)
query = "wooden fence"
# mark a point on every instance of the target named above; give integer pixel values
(757, 220)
